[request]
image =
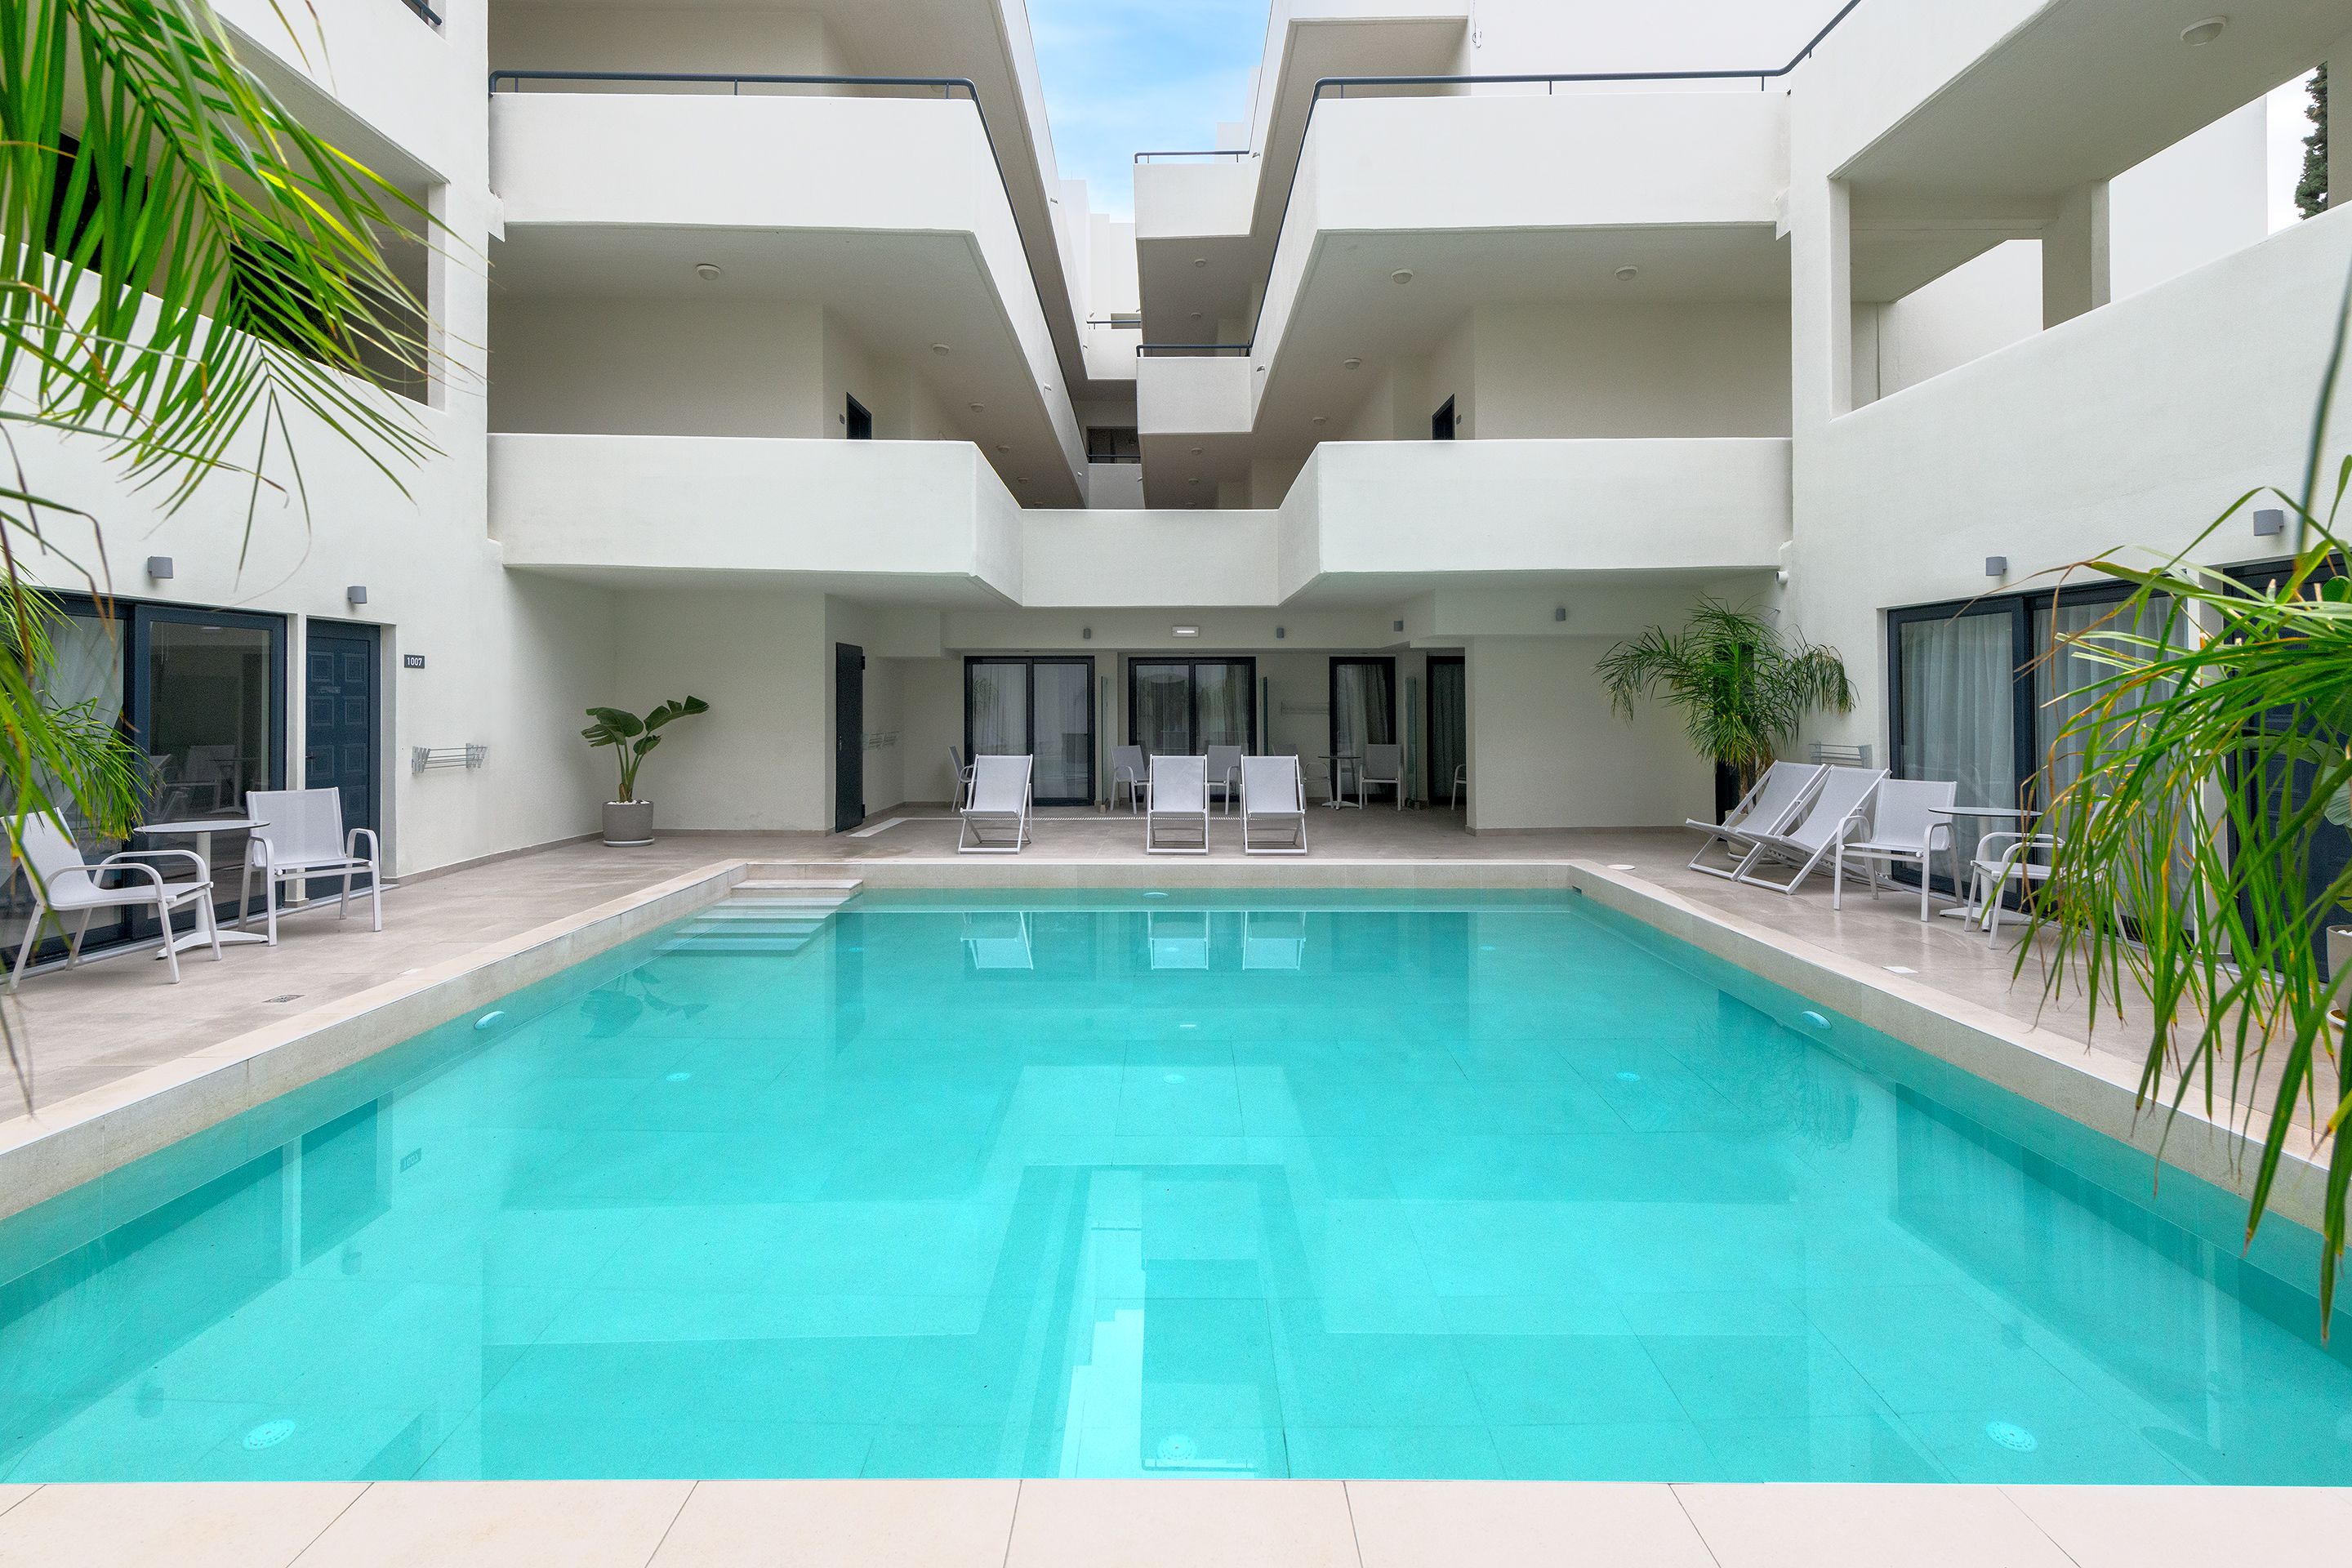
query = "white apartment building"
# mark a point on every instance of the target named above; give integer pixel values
(823, 399)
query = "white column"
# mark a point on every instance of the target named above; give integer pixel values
(1820, 317)
(2074, 272)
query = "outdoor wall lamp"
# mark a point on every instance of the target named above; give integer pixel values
(355, 595)
(1996, 565)
(2268, 521)
(159, 567)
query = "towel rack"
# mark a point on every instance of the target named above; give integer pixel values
(469, 755)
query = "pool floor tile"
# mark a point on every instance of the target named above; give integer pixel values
(1159, 1524)
(505, 1524)
(1427, 1524)
(830, 1524)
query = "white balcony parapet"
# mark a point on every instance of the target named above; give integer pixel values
(648, 507)
(1206, 395)
(642, 508)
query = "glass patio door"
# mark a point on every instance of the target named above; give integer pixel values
(1181, 706)
(1042, 708)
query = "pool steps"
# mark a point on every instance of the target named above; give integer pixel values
(763, 918)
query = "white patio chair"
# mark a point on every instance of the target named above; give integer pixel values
(1128, 767)
(1770, 806)
(302, 836)
(1838, 811)
(962, 772)
(1461, 782)
(2000, 858)
(62, 882)
(1000, 803)
(1225, 772)
(1907, 823)
(1383, 764)
(1274, 806)
(1178, 797)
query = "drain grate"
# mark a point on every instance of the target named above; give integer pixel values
(290, 996)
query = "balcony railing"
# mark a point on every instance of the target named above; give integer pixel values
(1191, 351)
(1235, 153)
(421, 9)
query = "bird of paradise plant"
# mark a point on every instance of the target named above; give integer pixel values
(2212, 752)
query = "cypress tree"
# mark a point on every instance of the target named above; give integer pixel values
(2311, 191)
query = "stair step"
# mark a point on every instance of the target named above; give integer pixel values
(767, 884)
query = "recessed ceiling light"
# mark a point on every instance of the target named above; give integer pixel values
(1322, 419)
(1199, 261)
(1198, 450)
(1185, 631)
(1196, 315)
(1022, 481)
(1401, 274)
(2203, 32)
(1351, 363)
(1003, 447)
(1627, 274)
(1193, 480)
(976, 407)
(707, 270)
(939, 348)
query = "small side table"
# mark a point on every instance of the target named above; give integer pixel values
(202, 829)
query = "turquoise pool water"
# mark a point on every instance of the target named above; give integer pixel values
(1112, 1184)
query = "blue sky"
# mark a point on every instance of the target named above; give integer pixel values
(1127, 76)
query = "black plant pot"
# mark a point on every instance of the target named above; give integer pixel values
(1726, 789)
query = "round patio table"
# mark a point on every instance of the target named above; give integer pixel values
(1339, 763)
(1961, 909)
(202, 829)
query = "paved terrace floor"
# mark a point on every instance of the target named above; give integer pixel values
(87, 1027)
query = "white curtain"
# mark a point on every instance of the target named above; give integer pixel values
(1000, 709)
(1360, 707)
(1223, 697)
(1959, 708)
(2065, 683)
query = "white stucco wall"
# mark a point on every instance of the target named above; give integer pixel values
(1547, 752)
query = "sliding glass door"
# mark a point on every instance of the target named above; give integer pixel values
(1181, 706)
(1363, 707)
(202, 694)
(1977, 702)
(1035, 707)
(1449, 723)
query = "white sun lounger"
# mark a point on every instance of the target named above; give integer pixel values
(1274, 805)
(998, 805)
(1771, 806)
(1178, 799)
(1840, 811)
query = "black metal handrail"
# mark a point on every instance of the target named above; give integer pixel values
(1189, 350)
(421, 9)
(947, 86)
(1342, 83)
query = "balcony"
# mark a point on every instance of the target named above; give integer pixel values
(625, 195)
(647, 510)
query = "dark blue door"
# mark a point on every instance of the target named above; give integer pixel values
(339, 718)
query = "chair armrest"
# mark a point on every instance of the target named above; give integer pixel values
(351, 845)
(137, 860)
(154, 877)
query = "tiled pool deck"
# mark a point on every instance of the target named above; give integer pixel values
(1160, 1524)
(94, 1030)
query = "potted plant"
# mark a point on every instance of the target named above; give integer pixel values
(1742, 681)
(627, 819)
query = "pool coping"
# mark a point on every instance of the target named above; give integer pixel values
(89, 1135)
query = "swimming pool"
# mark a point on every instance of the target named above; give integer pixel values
(1096, 1183)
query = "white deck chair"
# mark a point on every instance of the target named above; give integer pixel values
(962, 772)
(302, 836)
(1909, 822)
(1771, 806)
(1224, 771)
(1128, 767)
(1383, 764)
(62, 882)
(1177, 939)
(1461, 782)
(2027, 858)
(1178, 797)
(1838, 811)
(999, 804)
(1274, 806)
